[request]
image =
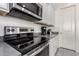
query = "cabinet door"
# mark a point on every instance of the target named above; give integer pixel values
(48, 13)
(45, 13)
(53, 46)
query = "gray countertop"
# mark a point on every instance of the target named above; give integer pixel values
(6, 50)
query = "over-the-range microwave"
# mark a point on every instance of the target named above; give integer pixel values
(29, 11)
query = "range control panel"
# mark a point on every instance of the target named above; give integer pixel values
(17, 30)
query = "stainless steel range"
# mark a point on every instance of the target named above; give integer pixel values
(20, 38)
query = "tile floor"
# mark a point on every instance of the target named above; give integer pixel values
(66, 52)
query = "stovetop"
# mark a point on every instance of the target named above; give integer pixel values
(26, 48)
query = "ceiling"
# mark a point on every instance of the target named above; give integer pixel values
(60, 5)
(57, 5)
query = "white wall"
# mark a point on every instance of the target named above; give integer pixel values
(64, 17)
(11, 21)
(58, 22)
(57, 6)
(77, 28)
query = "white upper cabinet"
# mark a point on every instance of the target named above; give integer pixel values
(4, 7)
(48, 14)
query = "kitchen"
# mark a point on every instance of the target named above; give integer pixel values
(39, 29)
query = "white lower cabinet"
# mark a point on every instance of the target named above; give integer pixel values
(53, 45)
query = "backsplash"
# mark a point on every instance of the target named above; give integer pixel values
(10, 21)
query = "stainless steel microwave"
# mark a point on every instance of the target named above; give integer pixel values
(27, 11)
